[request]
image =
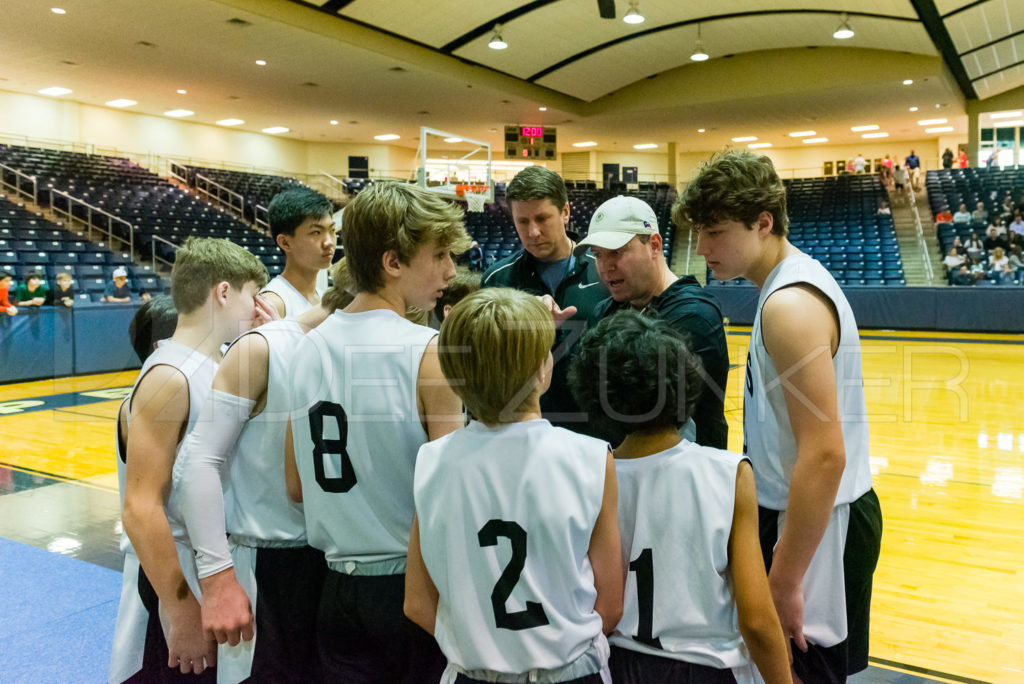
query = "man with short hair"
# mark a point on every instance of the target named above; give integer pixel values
(118, 291)
(627, 246)
(302, 225)
(548, 267)
(913, 165)
(980, 214)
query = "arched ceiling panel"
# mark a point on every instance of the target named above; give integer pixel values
(995, 84)
(432, 23)
(985, 23)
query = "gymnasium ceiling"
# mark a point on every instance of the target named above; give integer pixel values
(389, 66)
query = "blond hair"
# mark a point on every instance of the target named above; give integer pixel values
(395, 216)
(201, 263)
(491, 346)
(341, 292)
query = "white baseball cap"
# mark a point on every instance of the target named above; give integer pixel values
(616, 222)
(119, 273)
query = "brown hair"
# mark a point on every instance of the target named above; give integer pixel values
(201, 263)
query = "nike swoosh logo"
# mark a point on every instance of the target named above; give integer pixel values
(584, 287)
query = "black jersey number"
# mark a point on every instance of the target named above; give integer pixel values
(323, 446)
(534, 615)
(643, 566)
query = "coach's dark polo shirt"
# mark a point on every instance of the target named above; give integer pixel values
(694, 312)
(581, 288)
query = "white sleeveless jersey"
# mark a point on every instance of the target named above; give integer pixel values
(675, 517)
(505, 520)
(295, 304)
(356, 430)
(768, 438)
(198, 370)
(256, 502)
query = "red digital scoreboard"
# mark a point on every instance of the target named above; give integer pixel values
(538, 143)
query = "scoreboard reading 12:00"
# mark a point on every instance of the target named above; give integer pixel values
(538, 143)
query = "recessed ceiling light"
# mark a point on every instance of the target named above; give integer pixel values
(387, 136)
(230, 122)
(453, 140)
(802, 134)
(746, 138)
(700, 130)
(586, 143)
(908, 81)
(875, 135)
(181, 91)
(276, 129)
(55, 90)
(913, 109)
(814, 140)
(931, 122)
(543, 109)
(121, 103)
(334, 122)
(759, 145)
(261, 62)
(940, 129)
(871, 127)
(1007, 124)
(58, 10)
(645, 146)
(1006, 115)
(178, 113)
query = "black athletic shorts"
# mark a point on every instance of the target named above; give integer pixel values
(860, 556)
(363, 636)
(633, 667)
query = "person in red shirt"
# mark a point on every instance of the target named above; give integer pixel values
(5, 285)
(962, 159)
(944, 215)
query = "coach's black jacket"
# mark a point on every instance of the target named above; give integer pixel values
(581, 288)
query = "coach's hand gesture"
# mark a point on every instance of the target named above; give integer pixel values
(227, 613)
(560, 315)
(188, 649)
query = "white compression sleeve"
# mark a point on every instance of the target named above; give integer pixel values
(201, 474)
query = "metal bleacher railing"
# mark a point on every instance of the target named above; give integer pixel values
(13, 178)
(94, 219)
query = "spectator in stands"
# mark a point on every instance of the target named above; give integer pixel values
(980, 213)
(885, 172)
(997, 260)
(953, 262)
(475, 256)
(959, 246)
(547, 267)
(1016, 259)
(1017, 225)
(978, 269)
(974, 246)
(947, 159)
(962, 216)
(963, 276)
(884, 209)
(997, 223)
(900, 181)
(627, 245)
(993, 239)
(33, 291)
(913, 164)
(117, 289)
(457, 290)
(859, 163)
(944, 215)
(1006, 208)
(302, 226)
(962, 159)
(64, 293)
(992, 159)
(5, 285)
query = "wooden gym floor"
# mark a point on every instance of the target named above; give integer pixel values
(947, 454)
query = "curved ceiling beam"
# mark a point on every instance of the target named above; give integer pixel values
(484, 29)
(939, 34)
(966, 7)
(1018, 63)
(701, 20)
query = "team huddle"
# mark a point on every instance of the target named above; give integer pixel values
(538, 493)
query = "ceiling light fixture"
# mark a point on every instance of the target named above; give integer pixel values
(875, 135)
(932, 122)
(543, 109)
(913, 109)
(908, 81)
(844, 31)
(746, 138)
(1008, 124)
(497, 42)
(1006, 115)
(181, 92)
(387, 136)
(815, 140)
(55, 91)
(587, 143)
(453, 140)
(633, 16)
(698, 54)
(58, 10)
(334, 122)
(261, 62)
(756, 146)
(230, 122)
(701, 130)
(802, 134)
(870, 127)
(121, 103)
(178, 113)
(276, 129)
(940, 129)
(645, 146)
